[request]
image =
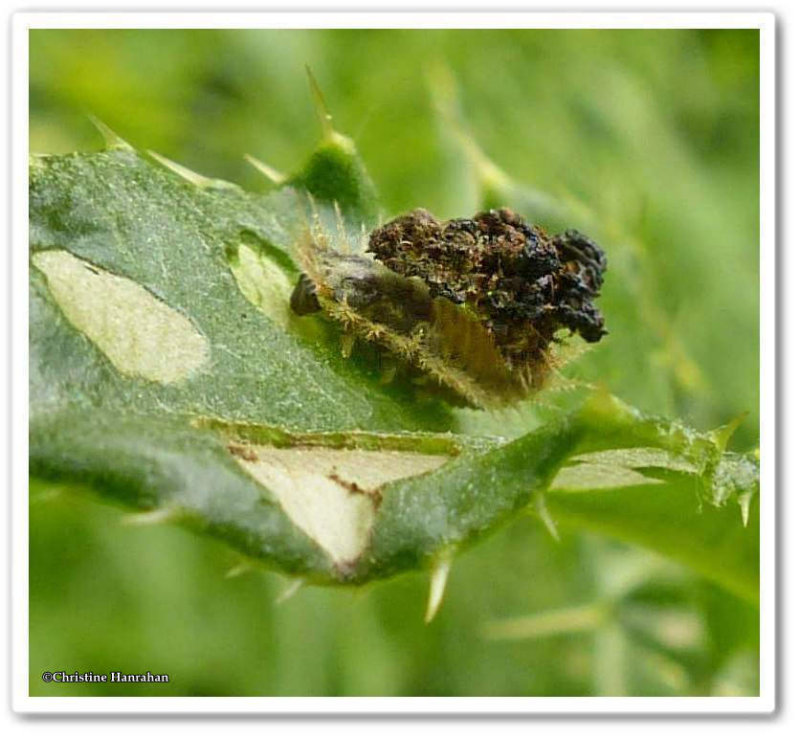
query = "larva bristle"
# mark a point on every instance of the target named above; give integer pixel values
(341, 230)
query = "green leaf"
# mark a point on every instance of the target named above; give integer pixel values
(168, 374)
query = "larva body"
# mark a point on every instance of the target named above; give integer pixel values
(472, 304)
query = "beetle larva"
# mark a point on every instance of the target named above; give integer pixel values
(473, 304)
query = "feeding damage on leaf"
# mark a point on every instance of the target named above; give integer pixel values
(332, 494)
(139, 334)
(472, 306)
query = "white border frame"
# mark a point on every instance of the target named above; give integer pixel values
(23, 703)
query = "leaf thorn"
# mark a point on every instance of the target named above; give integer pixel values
(722, 435)
(549, 623)
(114, 142)
(744, 506)
(275, 176)
(324, 116)
(439, 576)
(544, 515)
(239, 569)
(444, 92)
(294, 586)
(193, 177)
(157, 516)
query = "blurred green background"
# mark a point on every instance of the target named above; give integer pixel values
(647, 139)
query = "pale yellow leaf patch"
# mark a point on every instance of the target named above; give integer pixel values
(588, 476)
(332, 494)
(617, 468)
(139, 334)
(263, 283)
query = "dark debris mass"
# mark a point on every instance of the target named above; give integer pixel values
(523, 284)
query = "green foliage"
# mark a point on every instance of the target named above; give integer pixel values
(169, 376)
